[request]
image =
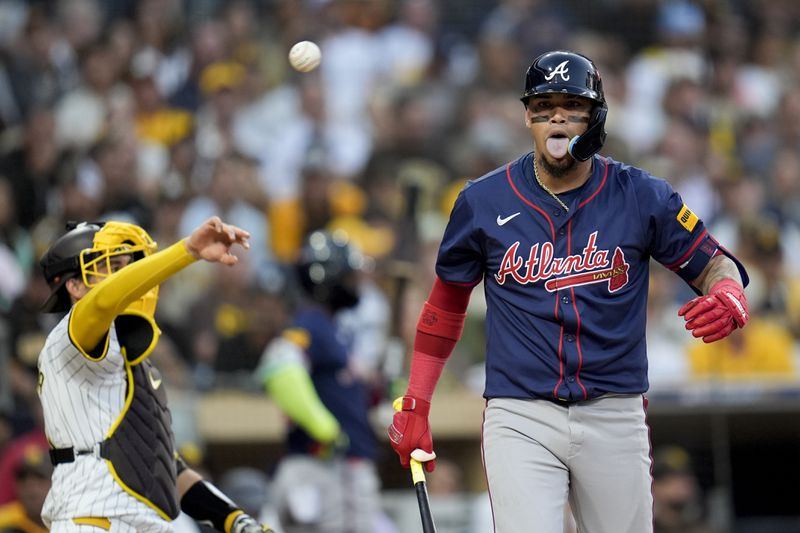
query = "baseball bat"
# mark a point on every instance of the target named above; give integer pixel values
(421, 488)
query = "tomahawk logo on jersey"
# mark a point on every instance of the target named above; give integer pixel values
(569, 288)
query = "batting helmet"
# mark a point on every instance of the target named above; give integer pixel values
(326, 269)
(86, 251)
(571, 73)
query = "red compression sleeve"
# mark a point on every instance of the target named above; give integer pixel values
(438, 329)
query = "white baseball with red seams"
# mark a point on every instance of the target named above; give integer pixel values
(305, 56)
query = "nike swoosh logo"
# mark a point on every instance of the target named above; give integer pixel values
(154, 381)
(501, 220)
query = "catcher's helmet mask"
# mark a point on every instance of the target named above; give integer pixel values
(62, 262)
(89, 251)
(571, 73)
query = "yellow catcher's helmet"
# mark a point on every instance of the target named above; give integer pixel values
(115, 239)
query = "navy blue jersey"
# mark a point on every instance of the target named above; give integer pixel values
(339, 390)
(566, 292)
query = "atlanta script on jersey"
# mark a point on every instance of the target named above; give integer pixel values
(567, 291)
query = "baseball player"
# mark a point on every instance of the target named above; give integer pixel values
(328, 482)
(562, 239)
(105, 408)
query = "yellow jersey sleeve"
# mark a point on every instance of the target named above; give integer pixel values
(93, 314)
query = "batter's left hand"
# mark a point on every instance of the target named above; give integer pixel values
(716, 315)
(212, 241)
(245, 523)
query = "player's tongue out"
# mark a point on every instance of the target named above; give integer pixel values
(557, 146)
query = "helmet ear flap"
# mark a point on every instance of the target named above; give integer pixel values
(584, 146)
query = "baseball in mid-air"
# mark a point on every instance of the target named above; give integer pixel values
(305, 56)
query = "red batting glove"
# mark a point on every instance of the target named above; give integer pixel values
(410, 430)
(715, 315)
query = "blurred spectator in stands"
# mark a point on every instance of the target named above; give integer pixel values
(783, 191)
(28, 442)
(257, 40)
(488, 118)
(6, 429)
(25, 319)
(32, 165)
(680, 157)
(82, 114)
(351, 70)
(31, 482)
(741, 196)
(514, 18)
(676, 53)
(263, 316)
(165, 134)
(74, 198)
(759, 77)
(179, 74)
(221, 85)
(217, 317)
(156, 120)
(16, 249)
(310, 153)
(409, 41)
(110, 172)
(43, 64)
(322, 197)
(677, 499)
(775, 295)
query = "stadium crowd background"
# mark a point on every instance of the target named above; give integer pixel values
(163, 112)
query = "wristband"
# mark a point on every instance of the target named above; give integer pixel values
(417, 405)
(205, 503)
(441, 323)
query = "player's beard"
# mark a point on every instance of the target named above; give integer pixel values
(560, 168)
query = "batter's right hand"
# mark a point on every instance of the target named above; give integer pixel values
(410, 431)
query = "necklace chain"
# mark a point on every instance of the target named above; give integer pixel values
(543, 186)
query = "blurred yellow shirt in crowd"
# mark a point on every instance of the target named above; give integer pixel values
(166, 126)
(762, 349)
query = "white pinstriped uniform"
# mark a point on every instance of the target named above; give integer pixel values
(81, 400)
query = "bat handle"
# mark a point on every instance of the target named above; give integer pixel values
(417, 472)
(418, 476)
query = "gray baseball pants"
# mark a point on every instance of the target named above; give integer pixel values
(595, 454)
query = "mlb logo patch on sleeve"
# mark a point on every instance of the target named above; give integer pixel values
(686, 218)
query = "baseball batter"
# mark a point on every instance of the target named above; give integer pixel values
(562, 239)
(105, 407)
